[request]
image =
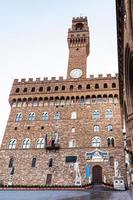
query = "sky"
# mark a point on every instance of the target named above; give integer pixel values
(33, 41)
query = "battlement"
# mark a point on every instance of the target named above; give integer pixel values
(77, 19)
(53, 79)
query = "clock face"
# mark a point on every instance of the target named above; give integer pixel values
(76, 73)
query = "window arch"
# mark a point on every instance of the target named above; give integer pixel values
(73, 130)
(17, 90)
(79, 87)
(57, 115)
(48, 88)
(108, 113)
(95, 114)
(113, 85)
(26, 143)
(40, 89)
(88, 86)
(56, 88)
(31, 116)
(33, 89)
(63, 87)
(72, 143)
(33, 164)
(19, 117)
(40, 143)
(110, 128)
(25, 90)
(111, 142)
(96, 142)
(96, 128)
(96, 86)
(45, 116)
(12, 144)
(71, 87)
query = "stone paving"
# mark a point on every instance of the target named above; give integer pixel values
(65, 195)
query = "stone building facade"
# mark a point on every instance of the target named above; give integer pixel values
(65, 131)
(124, 12)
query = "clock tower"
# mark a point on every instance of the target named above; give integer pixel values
(78, 43)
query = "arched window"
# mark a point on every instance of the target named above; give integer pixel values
(31, 116)
(48, 88)
(88, 86)
(113, 85)
(57, 115)
(108, 113)
(11, 161)
(71, 87)
(25, 90)
(50, 163)
(40, 143)
(93, 99)
(45, 116)
(79, 87)
(19, 117)
(110, 128)
(96, 142)
(96, 86)
(56, 88)
(111, 142)
(74, 115)
(96, 114)
(17, 90)
(40, 89)
(73, 130)
(63, 87)
(33, 164)
(26, 143)
(12, 144)
(33, 89)
(72, 143)
(105, 85)
(96, 128)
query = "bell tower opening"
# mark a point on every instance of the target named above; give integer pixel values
(78, 43)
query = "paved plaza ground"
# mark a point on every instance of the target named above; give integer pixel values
(65, 195)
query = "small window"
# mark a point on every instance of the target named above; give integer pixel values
(63, 87)
(79, 87)
(113, 85)
(96, 142)
(40, 89)
(31, 116)
(33, 164)
(19, 117)
(45, 116)
(105, 85)
(96, 114)
(50, 163)
(57, 115)
(25, 90)
(56, 88)
(108, 113)
(48, 88)
(74, 115)
(17, 90)
(11, 161)
(110, 128)
(88, 86)
(12, 144)
(33, 89)
(72, 143)
(96, 86)
(96, 128)
(40, 143)
(71, 87)
(26, 143)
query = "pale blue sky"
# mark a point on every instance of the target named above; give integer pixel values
(33, 40)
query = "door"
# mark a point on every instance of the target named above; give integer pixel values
(49, 179)
(97, 174)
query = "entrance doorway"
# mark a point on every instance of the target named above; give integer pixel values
(49, 179)
(97, 174)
